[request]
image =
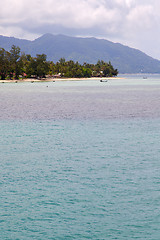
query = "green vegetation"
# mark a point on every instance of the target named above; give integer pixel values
(15, 65)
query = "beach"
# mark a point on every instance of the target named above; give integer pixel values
(57, 79)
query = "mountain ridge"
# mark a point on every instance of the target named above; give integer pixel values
(90, 50)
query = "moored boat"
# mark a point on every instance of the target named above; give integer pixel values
(104, 80)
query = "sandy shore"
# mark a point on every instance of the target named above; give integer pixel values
(58, 79)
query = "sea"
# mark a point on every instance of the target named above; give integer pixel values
(80, 159)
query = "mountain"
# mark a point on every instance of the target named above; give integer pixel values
(90, 50)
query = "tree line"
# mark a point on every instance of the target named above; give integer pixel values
(15, 65)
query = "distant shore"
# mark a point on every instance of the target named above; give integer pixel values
(57, 79)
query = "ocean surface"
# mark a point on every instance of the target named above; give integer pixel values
(80, 160)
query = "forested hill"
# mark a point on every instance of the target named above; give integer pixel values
(90, 50)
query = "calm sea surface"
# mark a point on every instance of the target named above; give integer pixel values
(80, 160)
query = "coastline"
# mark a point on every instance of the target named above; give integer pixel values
(58, 79)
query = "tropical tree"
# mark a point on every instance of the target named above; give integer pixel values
(38, 66)
(42, 65)
(15, 61)
(4, 63)
(87, 72)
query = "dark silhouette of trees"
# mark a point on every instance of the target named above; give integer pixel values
(14, 64)
(15, 61)
(4, 63)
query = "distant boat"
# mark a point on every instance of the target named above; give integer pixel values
(103, 80)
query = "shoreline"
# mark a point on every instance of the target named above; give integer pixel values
(58, 79)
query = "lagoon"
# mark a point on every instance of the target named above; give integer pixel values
(80, 160)
(131, 97)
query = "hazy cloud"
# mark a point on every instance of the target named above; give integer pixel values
(131, 22)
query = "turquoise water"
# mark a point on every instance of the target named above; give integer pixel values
(80, 160)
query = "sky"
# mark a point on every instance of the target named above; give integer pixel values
(134, 23)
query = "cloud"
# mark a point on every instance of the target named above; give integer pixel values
(69, 14)
(119, 20)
